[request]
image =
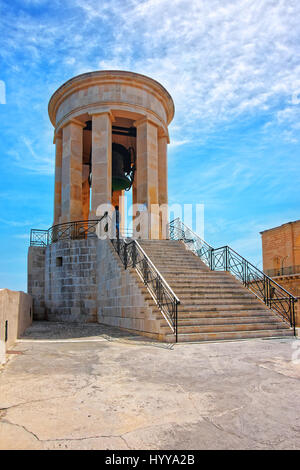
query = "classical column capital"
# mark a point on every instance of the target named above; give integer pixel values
(57, 135)
(103, 112)
(144, 120)
(163, 133)
(74, 121)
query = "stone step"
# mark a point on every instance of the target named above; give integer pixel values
(209, 299)
(204, 283)
(161, 243)
(170, 252)
(179, 267)
(222, 309)
(219, 301)
(210, 291)
(194, 296)
(222, 275)
(230, 335)
(223, 313)
(227, 320)
(231, 328)
(188, 306)
(193, 279)
(174, 254)
(177, 262)
(214, 305)
(186, 273)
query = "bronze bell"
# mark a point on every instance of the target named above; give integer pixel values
(122, 167)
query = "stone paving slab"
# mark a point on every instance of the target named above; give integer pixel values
(93, 387)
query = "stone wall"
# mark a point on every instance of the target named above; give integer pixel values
(84, 281)
(123, 301)
(281, 246)
(36, 280)
(15, 316)
(70, 281)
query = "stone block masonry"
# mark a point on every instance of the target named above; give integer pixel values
(36, 280)
(281, 247)
(84, 281)
(15, 317)
(281, 253)
(70, 281)
(123, 300)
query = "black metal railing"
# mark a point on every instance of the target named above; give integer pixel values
(38, 237)
(179, 231)
(76, 230)
(133, 255)
(284, 271)
(226, 259)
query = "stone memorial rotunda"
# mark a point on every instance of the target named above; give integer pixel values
(158, 279)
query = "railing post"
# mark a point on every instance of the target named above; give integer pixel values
(118, 245)
(266, 290)
(145, 271)
(134, 254)
(211, 254)
(125, 255)
(245, 267)
(176, 321)
(158, 292)
(226, 258)
(292, 314)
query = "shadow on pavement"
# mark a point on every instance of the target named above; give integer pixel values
(47, 331)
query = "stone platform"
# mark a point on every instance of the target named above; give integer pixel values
(100, 389)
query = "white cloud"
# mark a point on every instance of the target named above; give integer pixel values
(218, 59)
(27, 157)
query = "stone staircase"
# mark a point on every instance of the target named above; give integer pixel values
(213, 304)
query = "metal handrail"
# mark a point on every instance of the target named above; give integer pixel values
(225, 258)
(158, 273)
(283, 271)
(227, 247)
(133, 255)
(75, 230)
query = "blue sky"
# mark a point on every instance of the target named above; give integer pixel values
(233, 70)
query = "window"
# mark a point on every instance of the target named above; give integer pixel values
(59, 261)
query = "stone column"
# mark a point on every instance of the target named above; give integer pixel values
(147, 173)
(134, 203)
(101, 161)
(163, 183)
(85, 192)
(57, 183)
(72, 172)
(118, 199)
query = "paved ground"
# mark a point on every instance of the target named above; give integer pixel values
(96, 388)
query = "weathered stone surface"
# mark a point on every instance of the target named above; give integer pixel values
(91, 286)
(122, 302)
(36, 280)
(71, 289)
(281, 249)
(15, 316)
(99, 99)
(99, 388)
